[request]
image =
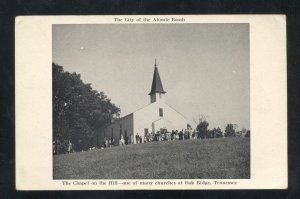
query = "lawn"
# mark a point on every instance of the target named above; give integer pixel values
(222, 158)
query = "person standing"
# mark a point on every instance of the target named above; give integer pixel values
(121, 142)
(112, 141)
(69, 146)
(104, 142)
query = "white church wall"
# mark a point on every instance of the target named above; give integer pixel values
(143, 119)
(136, 123)
(171, 119)
(162, 123)
(115, 129)
(179, 122)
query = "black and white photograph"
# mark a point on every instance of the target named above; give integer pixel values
(151, 101)
(160, 102)
(139, 99)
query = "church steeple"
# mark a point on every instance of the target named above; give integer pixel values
(157, 90)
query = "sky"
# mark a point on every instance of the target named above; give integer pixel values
(204, 68)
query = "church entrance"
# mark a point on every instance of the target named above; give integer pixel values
(160, 129)
(161, 134)
(163, 130)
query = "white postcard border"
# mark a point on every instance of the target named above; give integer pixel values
(268, 103)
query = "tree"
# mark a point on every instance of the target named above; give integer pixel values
(189, 126)
(247, 134)
(214, 133)
(202, 125)
(210, 134)
(242, 133)
(78, 110)
(230, 130)
(218, 132)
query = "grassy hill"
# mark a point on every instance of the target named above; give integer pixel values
(204, 159)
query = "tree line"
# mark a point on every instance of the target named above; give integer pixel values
(230, 130)
(78, 111)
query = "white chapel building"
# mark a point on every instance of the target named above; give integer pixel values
(154, 117)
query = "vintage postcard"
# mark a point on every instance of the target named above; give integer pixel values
(151, 102)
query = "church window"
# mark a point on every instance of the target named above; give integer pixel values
(161, 113)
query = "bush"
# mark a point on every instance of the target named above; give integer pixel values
(230, 130)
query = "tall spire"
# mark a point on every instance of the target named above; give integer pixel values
(156, 82)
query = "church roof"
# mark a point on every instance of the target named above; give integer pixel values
(156, 82)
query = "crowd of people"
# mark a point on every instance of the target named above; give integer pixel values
(167, 136)
(66, 146)
(162, 135)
